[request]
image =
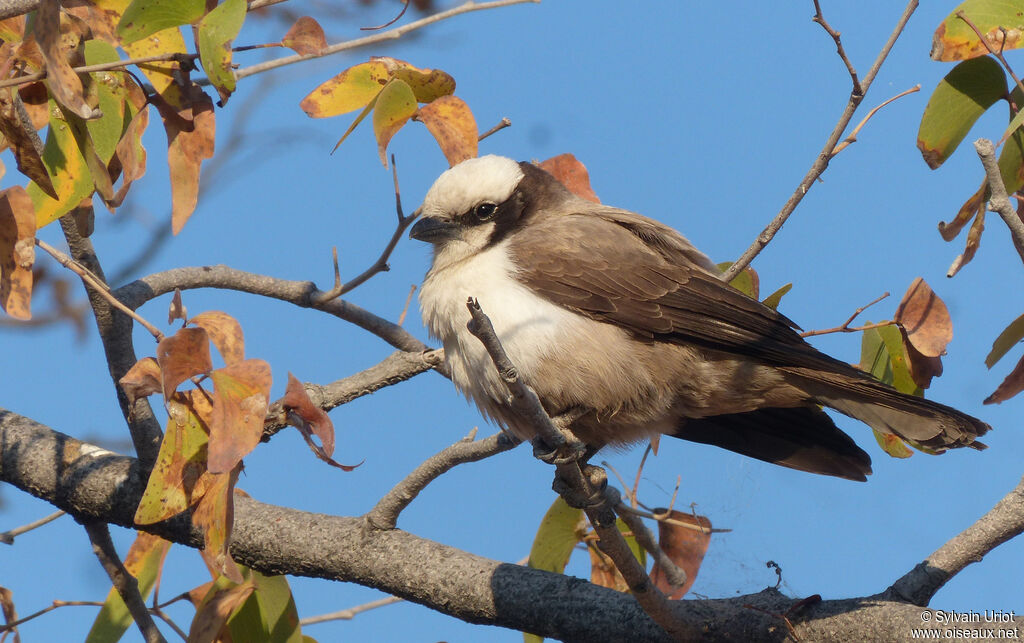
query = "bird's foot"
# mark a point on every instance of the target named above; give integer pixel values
(571, 451)
(581, 494)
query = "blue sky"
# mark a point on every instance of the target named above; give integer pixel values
(702, 115)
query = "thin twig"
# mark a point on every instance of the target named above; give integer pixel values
(675, 575)
(852, 138)
(124, 582)
(999, 201)
(96, 284)
(382, 36)
(163, 616)
(8, 536)
(820, 19)
(821, 163)
(505, 122)
(998, 54)
(663, 517)
(57, 604)
(405, 308)
(405, 6)
(639, 472)
(350, 613)
(845, 326)
(385, 514)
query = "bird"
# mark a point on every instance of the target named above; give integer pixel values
(619, 322)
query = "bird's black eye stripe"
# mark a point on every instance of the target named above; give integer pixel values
(484, 211)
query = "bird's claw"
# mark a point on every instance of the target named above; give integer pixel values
(597, 481)
(571, 451)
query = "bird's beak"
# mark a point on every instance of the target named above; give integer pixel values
(434, 230)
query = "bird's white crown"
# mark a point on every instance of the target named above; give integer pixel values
(487, 178)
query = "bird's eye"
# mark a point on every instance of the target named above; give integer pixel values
(484, 211)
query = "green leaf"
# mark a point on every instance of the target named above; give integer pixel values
(396, 104)
(359, 119)
(639, 552)
(901, 378)
(773, 300)
(956, 40)
(1006, 340)
(874, 356)
(747, 282)
(892, 445)
(556, 537)
(67, 169)
(143, 561)
(960, 98)
(1011, 158)
(146, 17)
(105, 131)
(217, 30)
(269, 614)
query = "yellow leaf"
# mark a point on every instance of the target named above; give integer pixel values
(67, 169)
(395, 106)
(350, 90)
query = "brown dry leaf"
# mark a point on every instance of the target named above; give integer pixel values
(971, 207)
(240, 400)
(177, 309)
(189, 123)
(1012, 385)
(225, 332)
(922, 367)
(182, 355)
(142, 379)
(925, 319)
(215, 515)
(216, 607)
(971, 246)
(36, 100)
(451, 122)
(63, 83)
(572, 174)
(604, 573)
(685, 547)
(317, 422)
(18, 133)
(12, 29)
(305, 37)
(17, 251)
(130, 155)
(197, 594)
(7, 606)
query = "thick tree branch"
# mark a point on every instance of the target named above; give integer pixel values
(300, 293)
(124, 582)
(999, 201)
(821, 163)
(91, 483)
(385, 514)
(1000, 524)
(115, 330)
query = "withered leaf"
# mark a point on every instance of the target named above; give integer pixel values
(1012, 385)
(1007, 339)
(971, 207)
(221, 601)
(451, 123)
(17, 251)
(684, 546)
(19, 133)
(305, 37)
(182, 355)
(240, 400)
(142, 379)
(971, 245)
(63, 83)
(177, 308)
(215, 515)
(225, 332)
(130, 155)
(604, 573)
(893, 445)
(925, 318)
(189, 123)
(922, 367)
(314, 419)
(572, 174)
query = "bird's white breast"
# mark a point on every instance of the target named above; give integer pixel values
(530, 328)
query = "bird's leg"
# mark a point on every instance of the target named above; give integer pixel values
(572, 450)
(581, 486)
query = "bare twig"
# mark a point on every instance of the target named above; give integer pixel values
(852, 138)
(845, 326)
(663, 517)
(999, 201)
(505, 122)
(385, 514)
(1000, 524)
(639, 472)
(821, 163)
(57, 604)
(383, 36)
(8, 536)
(99, 286)
(820, 19)
(405, 308)
(405, 6)
(673, 573)
(350, 613)
(998, 54)
(124, 582)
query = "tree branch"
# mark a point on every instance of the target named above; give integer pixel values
(124, 582)
(1000, 524)
(821, 163)
(385, 514)
(299, 293)
(8, 536)
(91, 483)
(999, 201)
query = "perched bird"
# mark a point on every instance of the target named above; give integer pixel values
(617, 318)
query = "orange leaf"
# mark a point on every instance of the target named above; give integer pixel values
(182, 355)
(926, 319)
(189, 123)
(62, 81)
(240, 399)
(572, 174)
(396, 104)
(17, 251)
(225, 332)
(604, 573)
(451, 122)
(305, 37)
(131, 155)
(1012, 385)
(142, 379)
(177, 309)
(297, 401)
(215, 515)
(684, 546)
